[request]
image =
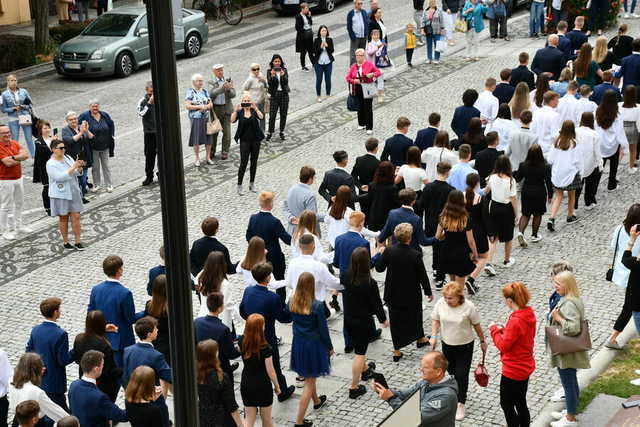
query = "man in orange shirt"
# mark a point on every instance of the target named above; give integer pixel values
(11, 189)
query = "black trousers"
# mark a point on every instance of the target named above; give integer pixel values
(493, 27)
(46, 202)
(513, 400)
(282, 381)
(597, 14)
(248, 149)
(4, 410)
(279, 101)
(590, 185)
(307, 48)
(459, 358)
(613, 169)
(365, 112)
(625, 314)
(409, 53)
(436, 261)
(150, 152)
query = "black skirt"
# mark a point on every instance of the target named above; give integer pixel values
(502, 220)
(534, 200)
(405, 324)
(455, 255)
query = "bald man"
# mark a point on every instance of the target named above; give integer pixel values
(549, 59)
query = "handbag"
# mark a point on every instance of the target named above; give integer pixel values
(213, 126)
(559, 343)
(369, 90)
(353, 102)
(25, 119)
(481, 374)
(609, 275)
(461, 25)
(383, 60)
(441, 46)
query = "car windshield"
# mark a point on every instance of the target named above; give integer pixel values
(110, 25)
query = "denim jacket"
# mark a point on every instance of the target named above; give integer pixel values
(496, 9)
(313, 326)
(9, 103)
(60, 181)
(474, 18)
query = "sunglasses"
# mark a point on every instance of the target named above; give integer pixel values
(61, 148)
(255, 69)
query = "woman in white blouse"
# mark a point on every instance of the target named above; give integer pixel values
(213, 278)
(565, 172)
(337, 218)
(630, 113)
(588, 146)
(26, 386)
(504, 126)
(411, 173)
(256, 85)
(307, 224)
(440, 152)
(256, 254)
(610, 130)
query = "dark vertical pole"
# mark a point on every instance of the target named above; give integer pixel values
(174, 212)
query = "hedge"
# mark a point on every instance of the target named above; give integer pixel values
(63, 32)
(17, 52)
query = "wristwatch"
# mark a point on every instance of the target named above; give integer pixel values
(13, 158)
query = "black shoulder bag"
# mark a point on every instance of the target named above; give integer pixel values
(609, 275)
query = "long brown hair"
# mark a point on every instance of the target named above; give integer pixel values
(607, 111)
(306, 223)
(255, 253)
(142, 385)
(158, 306)
(302, 299)
(413, 157)
(29, 369)
(341, 202)
(253, 338)
(384, 173)
(359, 269)
(521, 100)
(629, 97)
(208, 361)
(472, 181)
(567, 137)
(95, 325)
(213, 273)
(582, 62)
(542, 86)
(454, 216)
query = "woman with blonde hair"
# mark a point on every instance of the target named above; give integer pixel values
(307, 224)
(17, 105)
(311, 347)
(603, 56)
(198, 103)
(140, 394)
(521, 101)
(249, 135)
(256, 85)
(456, 318)
(569, 314)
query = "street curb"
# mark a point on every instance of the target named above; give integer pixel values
(47, 68)
(599, 363)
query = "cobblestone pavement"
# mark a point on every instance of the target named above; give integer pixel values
(129, 224)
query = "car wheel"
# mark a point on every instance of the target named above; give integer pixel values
(124, 65)
(329, 5)
(192, 45)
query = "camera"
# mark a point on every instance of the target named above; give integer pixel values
(245, 104)
(277, 69)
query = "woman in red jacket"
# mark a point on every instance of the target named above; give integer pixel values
(362, 73)
(515, 343)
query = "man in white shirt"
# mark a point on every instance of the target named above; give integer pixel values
(487, 103)
(520, 141)
(569, 108)
(546, 121)
(6, 373)
(306, 263)
(586, 105)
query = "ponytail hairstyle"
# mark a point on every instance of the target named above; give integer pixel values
(518, 293)
(473, 179)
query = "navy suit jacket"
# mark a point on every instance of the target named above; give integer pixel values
(461, 118)
(51, 342)
(504, 93)
(92, 407)
(400, 215)
(577, 39)
(599, 90)
(630, 70)
(271, 230)
(425, 137)
(153, 273)
(259, 299)
(564, 44)
(116, 303)
(548, 60)
(346, 243)
(201, 249)
(211, 327)
(395, 149)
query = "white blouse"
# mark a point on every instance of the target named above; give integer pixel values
(565, 165)
(337, 227)
(504, 128)
(33, 392)
(588, 147)
(250, 281)
(433, 155)
(413, 177)
(630, 114)
(502, 188)
(613, 137)
(227, 313)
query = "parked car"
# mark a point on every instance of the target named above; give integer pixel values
(293, 6)
(117, 42)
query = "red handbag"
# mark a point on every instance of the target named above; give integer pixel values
(481, 374)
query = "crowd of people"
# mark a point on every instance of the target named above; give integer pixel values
(517, 148)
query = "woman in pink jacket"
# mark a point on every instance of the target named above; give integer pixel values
(363, 72)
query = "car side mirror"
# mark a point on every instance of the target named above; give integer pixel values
(143, 32)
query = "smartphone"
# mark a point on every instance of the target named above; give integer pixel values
(379, 378)
(229, 80)
(245, 104)
(277, 69)
(55, 131)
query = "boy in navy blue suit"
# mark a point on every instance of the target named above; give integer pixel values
(143, 353)
(116, 303)
(405, 213)
(51, 342)
(202, 247)
(156, 271)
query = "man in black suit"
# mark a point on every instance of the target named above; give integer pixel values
(304, 35)
(426, 136)
(564, 43)
(202, 247)
(486, 159)
(549, 59)
(522, 73)
(607, 84)
(270, 229)
(395, 148)
(504, 90)
(336, 177)
(577, 36)
(365, 168)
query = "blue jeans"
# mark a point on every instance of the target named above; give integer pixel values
(431, 44)
(323, 70)
(633, 6)
(14, 127)
(636, 319)
(536, 18)
(569, 380)
(82, 180)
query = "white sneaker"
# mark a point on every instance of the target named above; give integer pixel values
(635, 382)
(490, 270)
(559, 415)
(635, 15)
(436, 61)
(25, 229)
(369, 132)
(522, 240)
(361, 127)
(427, 61)
(9, 235)
(535, 239)
(558, 396)
(564, 422)
(419, 43)
(95, 189)
(626, 15)
(460, 412)
(209, 161)
(110, 189)
(633, 170)
(319, 99)
(589, 207)
(509, 263)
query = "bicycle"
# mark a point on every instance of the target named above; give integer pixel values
(231, 13)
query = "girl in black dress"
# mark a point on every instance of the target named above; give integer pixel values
(455, 230)
(139, 396)
(42, 156)
(382, 196)
(258, 373)
(157, 308)
(249, 135)
(536, 192)
(216, 400)
(475, 207)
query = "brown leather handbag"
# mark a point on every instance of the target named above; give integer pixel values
(559, 343)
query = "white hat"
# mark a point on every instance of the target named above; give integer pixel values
(217, 66)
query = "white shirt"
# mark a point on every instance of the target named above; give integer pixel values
(630, 114)
(318, 253)
(337, 227)
(433, 155)
(546, 126)
(306, 264)
(620, 272)
(357, 24)
(587, 106)
(227, 312)
(502, 188)
(91, 380)
(520, 141)
(504, 128)
(569, 108)
(588, 150)
(488, 106)
(456, 323)
(413, 177)
(250, 281)
(613, 137)
(6, 372)
(306, 26)
(32, 392)
(565, 165)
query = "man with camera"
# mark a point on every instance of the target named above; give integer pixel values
(438, 392)
(147, 110)
(222, 91)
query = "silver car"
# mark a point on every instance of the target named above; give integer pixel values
(117, 42)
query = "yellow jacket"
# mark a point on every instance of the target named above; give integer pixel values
(410, 40)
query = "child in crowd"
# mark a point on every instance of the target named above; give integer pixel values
(409, 43)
